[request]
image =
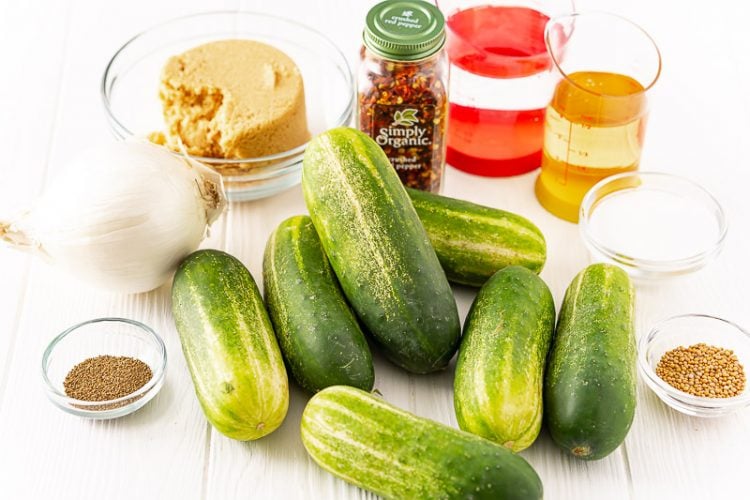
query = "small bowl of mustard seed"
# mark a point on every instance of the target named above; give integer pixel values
(104, 368)
(697, 364)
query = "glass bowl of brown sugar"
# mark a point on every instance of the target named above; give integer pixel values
(697, 364)
(104, 368)
(130, 88)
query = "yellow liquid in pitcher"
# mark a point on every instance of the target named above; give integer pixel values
(593, 128)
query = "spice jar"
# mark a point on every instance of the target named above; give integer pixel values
(403, 89)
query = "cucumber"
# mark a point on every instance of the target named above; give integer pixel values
(500, 370)
(379, 250)
(369, 443)
(229, 345)
(589, 391)
(318, 333)
(472, 241)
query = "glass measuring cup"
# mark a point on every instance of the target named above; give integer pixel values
(501, 80)
(595, 124)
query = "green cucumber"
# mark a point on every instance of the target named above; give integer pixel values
(229, 345)
(369, 443)
(379, 250)
(473, 241)
(318, 333)
(589, 391)
(500, 370)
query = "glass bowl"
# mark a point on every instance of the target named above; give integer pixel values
(684, 331)
(130, 88)
(651, 224)
(113, 336)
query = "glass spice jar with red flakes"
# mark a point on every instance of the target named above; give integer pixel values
(402, 88)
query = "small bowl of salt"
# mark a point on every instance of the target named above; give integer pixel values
(104, 368)
(653, 225)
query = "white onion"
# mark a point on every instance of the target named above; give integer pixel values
(122, 216)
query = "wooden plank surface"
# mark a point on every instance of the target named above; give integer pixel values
(27, 126)
(53, 54)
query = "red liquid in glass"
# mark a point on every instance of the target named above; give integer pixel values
(497, 42)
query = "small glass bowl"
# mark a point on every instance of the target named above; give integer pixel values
(686, 330)
(653, 225)
(130, 88)
(112, 336)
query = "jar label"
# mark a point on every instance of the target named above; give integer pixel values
(406, 19)
(406, 134)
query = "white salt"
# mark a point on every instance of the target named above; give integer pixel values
(653, 224)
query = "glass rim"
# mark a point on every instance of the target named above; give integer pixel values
(124, 132)
(81, 404)
(617, 17)
(447, 15)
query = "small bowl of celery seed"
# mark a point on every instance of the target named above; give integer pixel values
(104, 368)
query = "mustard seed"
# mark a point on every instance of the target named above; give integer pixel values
(703, 370)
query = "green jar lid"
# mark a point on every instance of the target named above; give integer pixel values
(404, 30)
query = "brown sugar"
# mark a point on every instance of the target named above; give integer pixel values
(232, 99)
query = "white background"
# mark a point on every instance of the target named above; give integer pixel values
(52, 55)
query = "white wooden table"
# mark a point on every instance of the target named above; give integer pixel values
(52, 55)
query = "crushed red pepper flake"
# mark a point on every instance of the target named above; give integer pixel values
(403, 106)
